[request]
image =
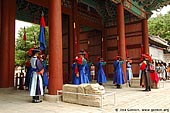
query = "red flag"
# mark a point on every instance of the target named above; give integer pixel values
(24, 37)
(42, 34)
(42, 21)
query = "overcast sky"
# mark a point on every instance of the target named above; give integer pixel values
(163, 11)
(21, 24)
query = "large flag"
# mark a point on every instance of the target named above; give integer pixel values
(24, 37)
(42, 34)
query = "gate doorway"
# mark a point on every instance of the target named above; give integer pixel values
(92, 42)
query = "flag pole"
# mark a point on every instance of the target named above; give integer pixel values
(118, 45)
(25, 42)
(75, 39)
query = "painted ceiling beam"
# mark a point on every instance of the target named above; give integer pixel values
(116, 1)
(43, 3)
(133, 7)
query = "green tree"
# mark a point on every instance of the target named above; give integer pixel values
(160, 26)
(20, 48)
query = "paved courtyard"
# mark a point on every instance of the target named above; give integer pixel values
(128, 100)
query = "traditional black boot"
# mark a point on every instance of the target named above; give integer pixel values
(36, 99)
(118, 86)
(100, 84)
(149, 88)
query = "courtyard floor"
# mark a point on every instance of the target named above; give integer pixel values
(128, 100)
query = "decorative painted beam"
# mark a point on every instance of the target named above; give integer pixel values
(43, 3)
(116, 1)
(90, 3)
(150, 5)
(135, 8)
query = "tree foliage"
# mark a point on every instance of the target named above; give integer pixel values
(20, 48)
(160, 26)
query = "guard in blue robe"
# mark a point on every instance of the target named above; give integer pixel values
(27, 69)
(118, 78)
(36, 71)
(87, 68)
(45, 76)
(75, 74)
(82, 72)
(101, 77)
(81, 61)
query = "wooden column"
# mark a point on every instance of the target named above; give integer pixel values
(77, 29)
(12, 12)
(121, 35)
(145, 36)
(0, 38)
(4, 43)
(55, 47)
(0, 17)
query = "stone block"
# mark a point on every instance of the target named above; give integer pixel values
(135, 82)
(93, 97)
(84, 94)
(89, 100)
(70, 97)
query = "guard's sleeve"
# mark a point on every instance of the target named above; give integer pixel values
(84, 61)
(103, 63)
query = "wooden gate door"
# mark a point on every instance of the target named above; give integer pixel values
(95, 45)
(92, 42)
(65, 42)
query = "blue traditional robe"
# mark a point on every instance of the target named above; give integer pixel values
(28, 76)
(88, 70)
(75, 79)
(101, 77)
(45, 77)
(118, 73)
(82, 72)
(36, 85)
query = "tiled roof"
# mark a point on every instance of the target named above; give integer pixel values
(156, 40)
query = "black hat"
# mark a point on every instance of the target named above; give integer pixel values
(81, 53)
(34, 51)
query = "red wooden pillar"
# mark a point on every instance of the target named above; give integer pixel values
(55, 47)
(0, 38)
(145, 36)
(121, 35)
(0, 17)
(12, 12)
(4, 42)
